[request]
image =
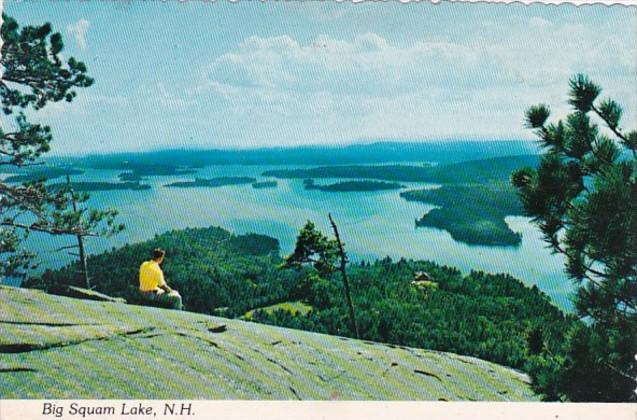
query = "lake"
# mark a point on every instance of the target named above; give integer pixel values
(372, 224)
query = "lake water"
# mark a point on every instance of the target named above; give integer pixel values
(372, 224)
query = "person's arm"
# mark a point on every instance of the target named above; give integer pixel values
(162, 283)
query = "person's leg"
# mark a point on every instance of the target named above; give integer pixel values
(177, 300)
(172, 299)
(149, 297)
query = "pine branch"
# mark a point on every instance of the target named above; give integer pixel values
(614, 129)
(48, 229)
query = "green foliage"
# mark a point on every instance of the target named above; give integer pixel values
(314, 249)
(291, 307)
(34, 76)
(483, 315)
(31, 60)
(264, 184)
(381, 172)
(536, 116)
(583, 196)
(593, 354)
(210, 267)
(473, 171)
(583, 93)
(474, 198)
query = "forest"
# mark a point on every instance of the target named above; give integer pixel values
(407, 173)
(213, 269)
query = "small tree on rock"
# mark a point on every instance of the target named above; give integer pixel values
(326, 256)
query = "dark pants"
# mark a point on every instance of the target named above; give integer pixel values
(170, 300)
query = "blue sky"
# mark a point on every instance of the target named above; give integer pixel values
(252, 74)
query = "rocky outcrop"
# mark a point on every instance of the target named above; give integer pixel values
(81, 293)
(58, 347)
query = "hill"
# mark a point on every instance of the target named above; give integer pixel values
(58, 347)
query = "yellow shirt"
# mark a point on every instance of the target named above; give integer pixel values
(150, 276)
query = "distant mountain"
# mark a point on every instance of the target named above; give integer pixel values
(497, 169)
(381, 152)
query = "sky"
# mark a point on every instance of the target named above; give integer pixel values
(172, 74)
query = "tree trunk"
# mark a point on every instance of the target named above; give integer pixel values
(342, 268)
(80, 245)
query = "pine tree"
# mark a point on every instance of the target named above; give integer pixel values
(326, 256)
(33, 76)
(583, 197)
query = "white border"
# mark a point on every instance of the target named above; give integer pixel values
(349, 410)
(334, 410)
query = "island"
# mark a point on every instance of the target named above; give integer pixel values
(475, 171)
(102, 186)
(213, 182)
(474, 198)
(411, 173)
(473, 214)
(130, 176)
(347, 186)
(264, 184)
(137, 172)
(43, 174)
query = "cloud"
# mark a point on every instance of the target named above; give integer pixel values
(78, 30)
(168, 100)
(302, 87)
(333, 89)
(367, 64)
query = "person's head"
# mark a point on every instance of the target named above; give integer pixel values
(158, 255)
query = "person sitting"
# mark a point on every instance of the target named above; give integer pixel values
(153, 287)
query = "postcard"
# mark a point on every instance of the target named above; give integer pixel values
(343, 210)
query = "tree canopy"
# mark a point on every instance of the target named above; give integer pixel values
(583, 197)
(35, 75)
